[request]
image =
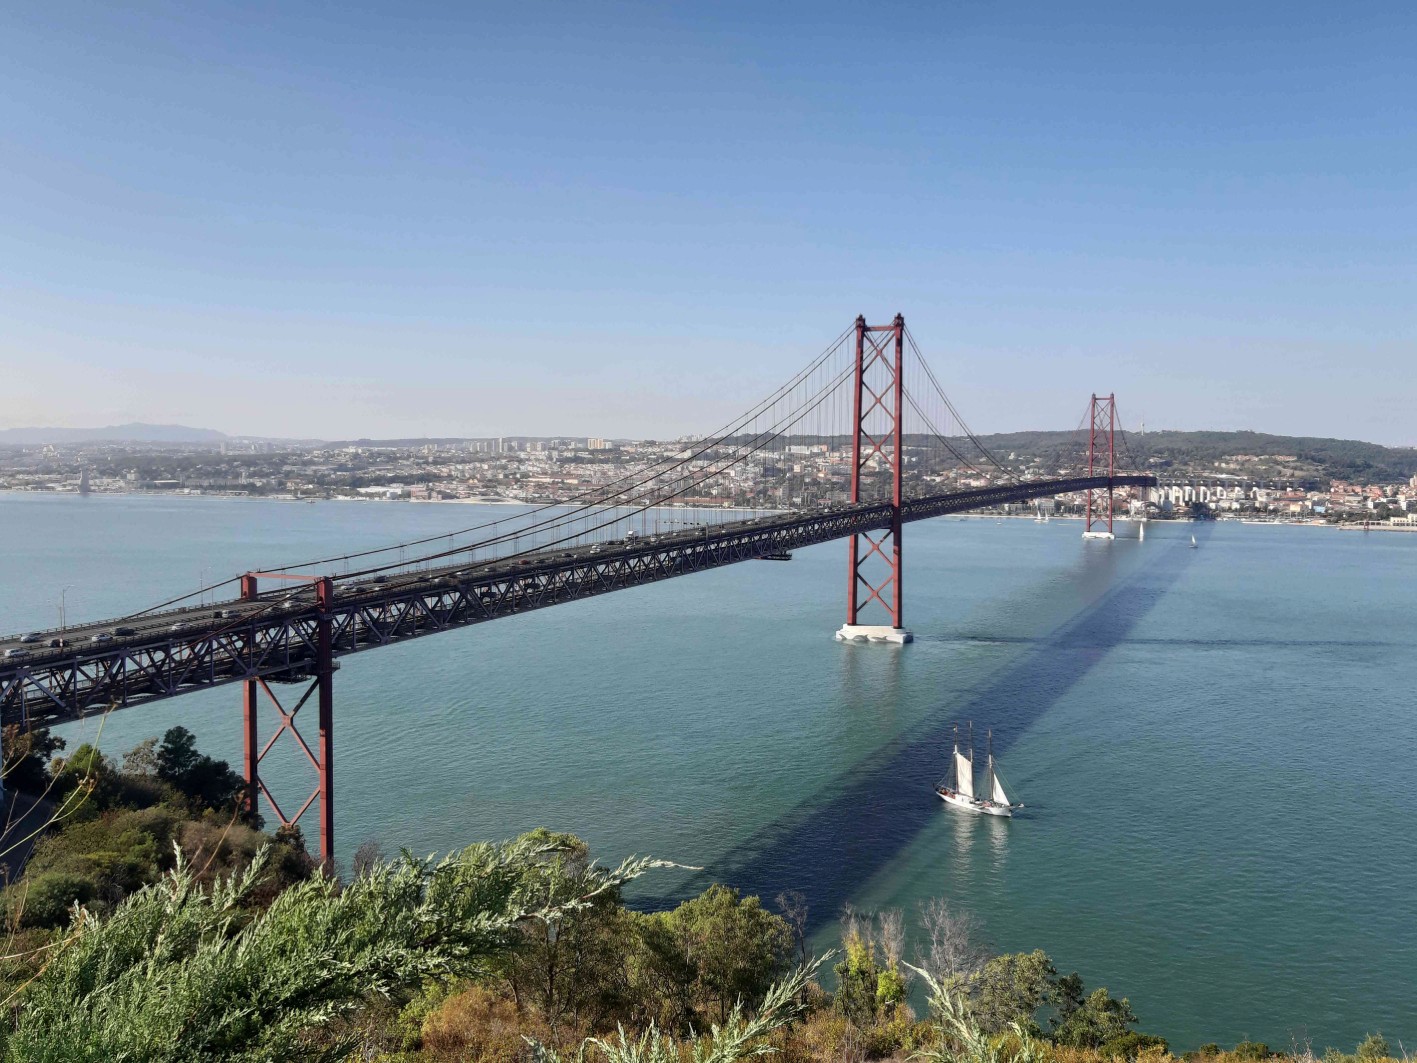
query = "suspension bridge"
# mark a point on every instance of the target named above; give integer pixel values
(860, 443)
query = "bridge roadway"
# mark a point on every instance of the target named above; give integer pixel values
(49, 677)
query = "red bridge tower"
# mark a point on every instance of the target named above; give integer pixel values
(1101, 436)
(878, 420)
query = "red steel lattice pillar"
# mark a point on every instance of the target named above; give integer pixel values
(321, 687)
(325, 680)
(874, 564)
(1102, 433)
(249, 702)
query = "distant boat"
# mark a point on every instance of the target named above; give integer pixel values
(958, 789)
(1193, 542)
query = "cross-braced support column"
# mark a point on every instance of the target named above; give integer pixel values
(878, 418)
(1101, 445)
(321, 687)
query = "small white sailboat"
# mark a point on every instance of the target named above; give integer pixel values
(958, 791)
(1193, 542)
(961, 793)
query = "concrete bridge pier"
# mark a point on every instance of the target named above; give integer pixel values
(874, 633)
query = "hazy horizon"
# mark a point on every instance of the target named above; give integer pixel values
(635, 221)
(6, 433)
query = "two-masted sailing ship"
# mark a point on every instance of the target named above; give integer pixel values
(958, 788)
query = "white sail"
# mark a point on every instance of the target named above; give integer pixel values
(964, 774)
(998, 795)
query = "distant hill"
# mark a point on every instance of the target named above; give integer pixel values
(118, 433)
(1348, 459)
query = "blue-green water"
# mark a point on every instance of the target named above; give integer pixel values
(1215, 745)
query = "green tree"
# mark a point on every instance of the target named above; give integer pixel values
(715, 950)
(1091, 1021)
(1088, 1022)
(1010, 989)
(858, 977)
(210, 782)
(142, 758)
(27, 757)
(567, 965)
(177, 755)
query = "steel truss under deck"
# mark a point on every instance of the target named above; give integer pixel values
(56, 686)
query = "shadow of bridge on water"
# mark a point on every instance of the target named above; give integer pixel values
(832, 844)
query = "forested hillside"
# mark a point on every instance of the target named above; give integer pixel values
(1199, 452)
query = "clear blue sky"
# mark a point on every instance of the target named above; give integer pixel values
(326, 219)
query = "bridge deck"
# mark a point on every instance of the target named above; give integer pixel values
(93, 667)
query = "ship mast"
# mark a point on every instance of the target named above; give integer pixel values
(989, 738)
(954, 760)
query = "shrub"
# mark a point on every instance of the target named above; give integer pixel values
(172, 977)
(1373, 1047)
(1132, 1044)
(45, 900)
(824, 1034)
(1252, 1050)
(476, 1023)
(115, 853)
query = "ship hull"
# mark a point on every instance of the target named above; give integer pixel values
(959, 801)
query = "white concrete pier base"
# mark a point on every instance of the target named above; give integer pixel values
(874, 633)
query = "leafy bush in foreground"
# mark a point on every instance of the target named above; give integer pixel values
(180, 973)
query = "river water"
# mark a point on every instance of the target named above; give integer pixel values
(1215, 745)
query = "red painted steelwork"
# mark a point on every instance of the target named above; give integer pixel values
(1102, 422)
(880, 389)
(322, 685)
(325, 679)
(249, 701)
